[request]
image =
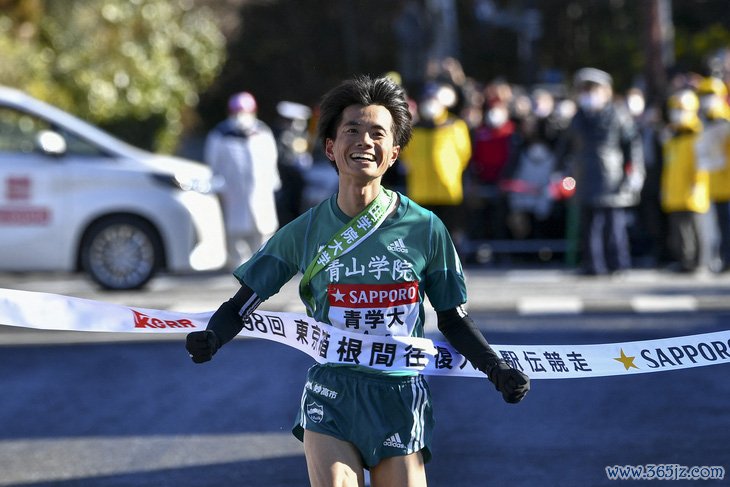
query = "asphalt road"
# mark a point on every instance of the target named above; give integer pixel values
(96, 411)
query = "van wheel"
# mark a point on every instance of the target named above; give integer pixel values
(121, 253)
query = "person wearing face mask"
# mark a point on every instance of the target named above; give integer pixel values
(713, 155)
(685, 186)
(493, 149)
(492, 143)
(435, 161)
(603, 150)
(241, 151)
(531, 179)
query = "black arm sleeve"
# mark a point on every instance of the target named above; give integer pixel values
(227, 321)
(461, 332)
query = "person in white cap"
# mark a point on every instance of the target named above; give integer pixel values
(291, 130)
(242, 151)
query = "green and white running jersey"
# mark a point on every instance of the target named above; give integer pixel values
(377, 287)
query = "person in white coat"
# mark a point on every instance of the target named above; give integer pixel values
(242, 151)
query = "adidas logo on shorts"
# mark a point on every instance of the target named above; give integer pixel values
(398, 246)
(394, 442)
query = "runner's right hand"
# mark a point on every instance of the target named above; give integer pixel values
(202, 345)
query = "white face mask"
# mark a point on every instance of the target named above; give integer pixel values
(246, 120)
(680, 118)
(710, 103)
(430, 109)
(592, 101)
(636, 105)
(496, 117)
(447, 96)
(543, 110)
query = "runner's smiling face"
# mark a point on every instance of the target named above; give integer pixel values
(364, 145)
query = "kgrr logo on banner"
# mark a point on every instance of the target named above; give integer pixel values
(142, 320)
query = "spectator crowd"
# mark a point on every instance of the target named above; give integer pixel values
(636, 182)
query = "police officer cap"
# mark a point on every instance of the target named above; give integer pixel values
(592, 75)
(293, 111)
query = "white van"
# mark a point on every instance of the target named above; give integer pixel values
(74, 198)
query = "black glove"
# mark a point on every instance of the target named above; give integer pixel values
(512, 383)
(202, 345)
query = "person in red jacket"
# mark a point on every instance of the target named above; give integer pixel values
(492, 144)
(491, 152)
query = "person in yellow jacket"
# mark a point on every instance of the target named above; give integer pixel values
(435, 160)
(713, 155)
(684, 186)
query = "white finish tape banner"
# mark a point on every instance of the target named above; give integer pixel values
(327, 344)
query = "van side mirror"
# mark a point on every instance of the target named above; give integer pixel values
(51, 143)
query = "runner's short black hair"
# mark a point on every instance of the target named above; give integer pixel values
(364, 90)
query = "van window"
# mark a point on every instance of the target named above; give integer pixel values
(18, 131)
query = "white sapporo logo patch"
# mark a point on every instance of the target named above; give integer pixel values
(315, 412)
(382, 309)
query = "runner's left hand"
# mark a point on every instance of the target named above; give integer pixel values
(512, 383)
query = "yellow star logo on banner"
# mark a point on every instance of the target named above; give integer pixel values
(628, 362)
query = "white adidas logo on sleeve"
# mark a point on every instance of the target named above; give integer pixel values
(398, 246)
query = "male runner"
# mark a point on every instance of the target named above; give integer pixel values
(352, 417)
